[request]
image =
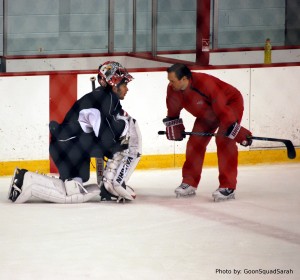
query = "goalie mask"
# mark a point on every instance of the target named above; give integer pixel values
(113, 73)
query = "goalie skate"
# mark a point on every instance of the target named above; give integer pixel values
(185, 190)
(106, 195)
(222, 194)
(15, 187)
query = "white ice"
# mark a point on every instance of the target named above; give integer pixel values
(159, 237)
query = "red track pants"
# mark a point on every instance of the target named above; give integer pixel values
(227, 153)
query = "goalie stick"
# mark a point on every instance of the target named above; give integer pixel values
(99, 161)
(291, 152)
(93, 79)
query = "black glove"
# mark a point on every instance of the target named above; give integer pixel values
(240, 134)
(174, 129)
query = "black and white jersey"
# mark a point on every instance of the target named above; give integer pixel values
(93, 121)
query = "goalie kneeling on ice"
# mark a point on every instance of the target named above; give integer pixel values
(26, 185)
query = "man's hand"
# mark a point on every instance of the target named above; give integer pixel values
(174, 129)
(240, 134)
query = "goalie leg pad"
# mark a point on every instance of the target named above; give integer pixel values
(26, 185)
(29, 184)
(132, 156)
(123, 173)
(119, 169)
(16, 184)
(87, 193)
(55, 191)
(74, 187)
(110, 173)
(116, 171)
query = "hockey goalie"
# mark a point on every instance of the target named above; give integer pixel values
(95, 126)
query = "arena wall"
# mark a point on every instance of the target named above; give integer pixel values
(30, 101)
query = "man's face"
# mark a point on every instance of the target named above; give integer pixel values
(177, 84)
(121, 91)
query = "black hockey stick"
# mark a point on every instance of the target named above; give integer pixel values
(291, 152)
(93, 79)
(288, 143)
(99, 161)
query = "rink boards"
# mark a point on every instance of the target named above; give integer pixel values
(28, 102)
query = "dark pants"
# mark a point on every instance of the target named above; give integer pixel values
(72, 157)
(71, 149)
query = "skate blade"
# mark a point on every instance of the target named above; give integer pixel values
(178, 195)
(219, 199)
(119, 200)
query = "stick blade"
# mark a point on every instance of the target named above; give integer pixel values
(290, 149)
(291, 152)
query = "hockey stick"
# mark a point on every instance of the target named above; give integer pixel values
(93, 79)
(291, 152)
(99, 169)
(99, 161)
(288, 143)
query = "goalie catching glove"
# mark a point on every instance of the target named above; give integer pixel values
(174, 128)
(240, 134)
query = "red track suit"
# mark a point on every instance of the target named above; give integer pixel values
(215, 104)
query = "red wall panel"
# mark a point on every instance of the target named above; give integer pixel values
(63, 93)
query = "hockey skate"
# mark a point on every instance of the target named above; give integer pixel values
(105, 195)
(15, 187)
(222, 194)
(185, 190)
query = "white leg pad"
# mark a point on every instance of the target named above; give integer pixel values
(119, 169)
(110, 172)
(53, 190)
(132, 156)
(74, 187)
(43, 187)
(91, 191)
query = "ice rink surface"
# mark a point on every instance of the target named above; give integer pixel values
(159, 237)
